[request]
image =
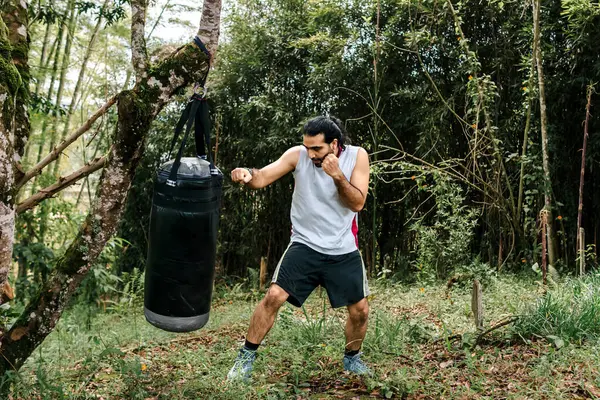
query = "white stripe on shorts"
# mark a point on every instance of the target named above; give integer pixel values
(366, 290)
(276, 273)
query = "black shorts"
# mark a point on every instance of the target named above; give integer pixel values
(301, 269)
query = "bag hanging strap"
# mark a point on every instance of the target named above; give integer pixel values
(180, 124)
(202, 132)
(196, 112)
(191, 113)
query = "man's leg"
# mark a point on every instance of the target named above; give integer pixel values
(260, 324)
(356, 325)
(264, 315)
(346, 282)
(356, 329)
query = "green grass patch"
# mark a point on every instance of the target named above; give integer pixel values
(568, 313)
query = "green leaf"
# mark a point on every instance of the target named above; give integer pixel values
(558, 342)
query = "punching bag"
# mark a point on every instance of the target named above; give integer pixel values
(183, 231)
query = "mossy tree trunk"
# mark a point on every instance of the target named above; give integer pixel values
(14, 125)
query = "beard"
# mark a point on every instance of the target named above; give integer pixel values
(318, 162)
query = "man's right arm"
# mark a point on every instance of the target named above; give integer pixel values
(259, 178)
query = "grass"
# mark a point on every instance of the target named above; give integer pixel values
(570, 312)
(419, 344)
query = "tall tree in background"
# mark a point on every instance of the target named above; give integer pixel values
(537, 4)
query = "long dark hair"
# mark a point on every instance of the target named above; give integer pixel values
(330, 126)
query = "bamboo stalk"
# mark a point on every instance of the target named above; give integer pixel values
(590, 89)
(50, 94)
(43, 57)
(544, 128)
(79, 83)
(375, 138)
(526, 135)
(63, 74)
(158, 19)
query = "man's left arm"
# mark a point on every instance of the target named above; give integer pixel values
(353, 193)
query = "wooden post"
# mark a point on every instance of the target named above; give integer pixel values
(477, 304)
(500, 251)
(581, 252)
(544, 222)
(263, 272)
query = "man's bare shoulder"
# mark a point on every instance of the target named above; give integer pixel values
(361, 152)
(292, 155)
(295, 149)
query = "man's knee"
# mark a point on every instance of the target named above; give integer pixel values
(275, 297)
(359, 312)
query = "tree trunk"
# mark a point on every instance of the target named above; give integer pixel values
(139, 54)
(14, 123)
(544, 128)
(137, 109)
(375, 108)
(582, 174)
(7, 212)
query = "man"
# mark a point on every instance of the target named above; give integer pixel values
(331, 183)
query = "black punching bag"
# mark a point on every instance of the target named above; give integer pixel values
(183, 231)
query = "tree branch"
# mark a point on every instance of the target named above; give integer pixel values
(507, 321)
(57, 150)
(139, 54)
(62, 183)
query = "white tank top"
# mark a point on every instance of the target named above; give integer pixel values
(319, 219)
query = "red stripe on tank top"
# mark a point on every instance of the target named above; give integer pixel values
(355, 231)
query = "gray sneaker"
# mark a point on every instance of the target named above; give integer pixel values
(242, 367)
(355, 365)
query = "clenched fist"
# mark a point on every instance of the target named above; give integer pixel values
(241, 175)
(331, 166)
